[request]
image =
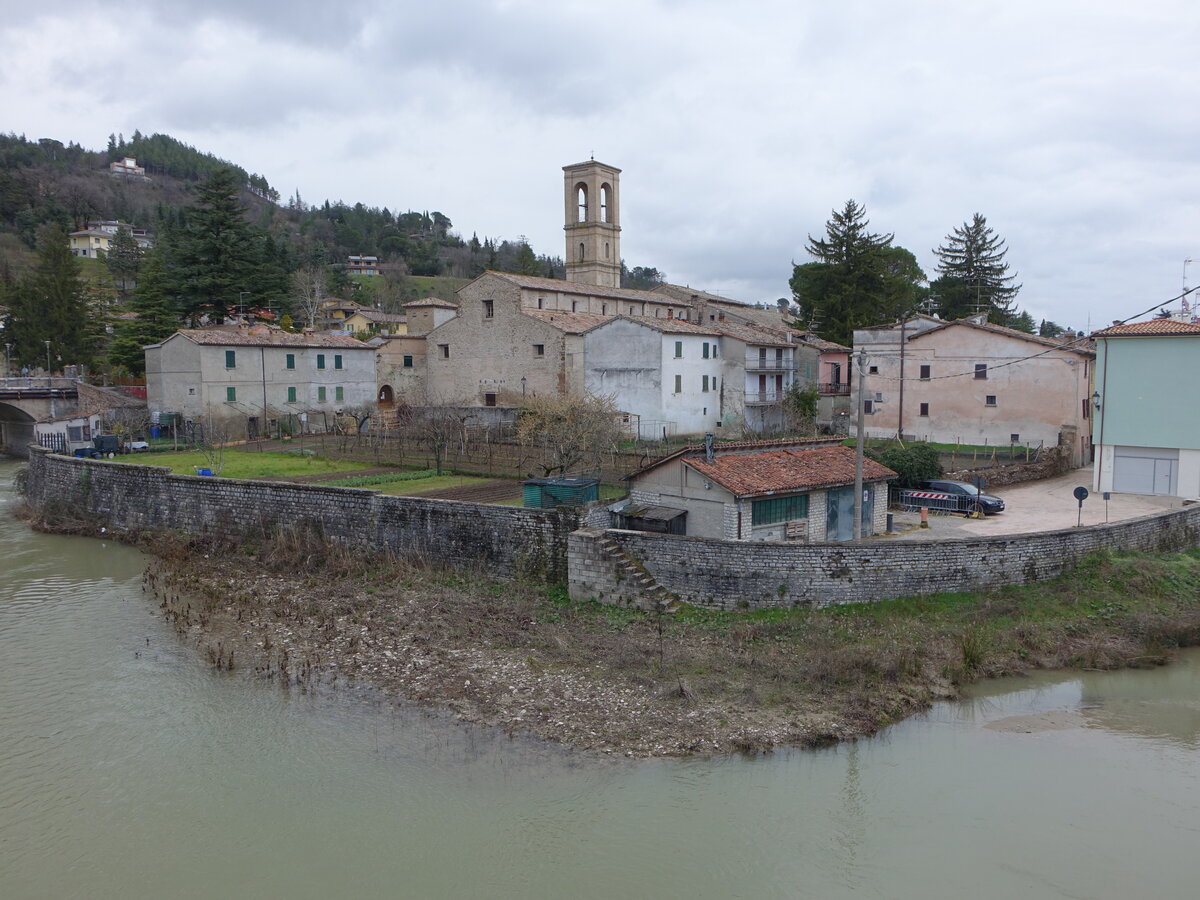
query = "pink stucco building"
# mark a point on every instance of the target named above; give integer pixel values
(969, 382)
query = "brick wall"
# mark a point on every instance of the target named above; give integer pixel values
(506, 540)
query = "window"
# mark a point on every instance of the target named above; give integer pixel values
(604, 309)
(874, 370)
(925, 409)
(230, 359)
(291, 395)
(230, 394)
(321, 394)
(539, 302)
(981, 370)
(704, 383)
(408, 364)
(1086, 408)
(445, 348)
(670, 313)
(705, 353)
(581, 249)
(489, 399)
(320, 360)
(489, 309)
(337, 360)
(679, 384)
(574, 305)
(868, 407)
(779, 509)
(339, 393)
(1014, 439)
(539, 349)
(925, 373)
(291, 360)
(679, 349)
(990, 400)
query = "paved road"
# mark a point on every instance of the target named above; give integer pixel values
(1037, 506)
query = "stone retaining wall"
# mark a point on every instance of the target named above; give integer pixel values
(739, 574)
(505, 540)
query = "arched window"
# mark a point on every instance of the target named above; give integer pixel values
(606, 249)
(604, 203)
(582, 201)
(581, 250)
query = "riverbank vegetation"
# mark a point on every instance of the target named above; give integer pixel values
(288, 606)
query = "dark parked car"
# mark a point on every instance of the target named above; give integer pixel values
(968, 496)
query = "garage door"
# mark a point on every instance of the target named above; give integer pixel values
(1145, 470)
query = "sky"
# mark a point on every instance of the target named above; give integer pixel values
(739, 127)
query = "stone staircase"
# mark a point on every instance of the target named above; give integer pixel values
(654, 597)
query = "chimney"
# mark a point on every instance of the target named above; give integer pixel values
(708, 446)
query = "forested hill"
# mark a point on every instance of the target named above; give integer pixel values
(45, 181)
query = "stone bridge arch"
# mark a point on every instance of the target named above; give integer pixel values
(16, 430)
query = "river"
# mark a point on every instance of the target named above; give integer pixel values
(129, 768)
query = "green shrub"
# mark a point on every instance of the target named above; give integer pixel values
(914, 463)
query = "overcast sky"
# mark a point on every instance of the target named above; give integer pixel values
(1072, 126)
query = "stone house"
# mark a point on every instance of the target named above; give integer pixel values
(399, 370)
(970, 382)
(1147, 441)
(251, 378)
(761, 365)
(764, 490)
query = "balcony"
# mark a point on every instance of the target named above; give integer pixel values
(833, 389)
(764, 398)
(759, 364)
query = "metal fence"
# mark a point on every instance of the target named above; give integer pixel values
(934, 501)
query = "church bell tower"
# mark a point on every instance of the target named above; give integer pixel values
(593, 223)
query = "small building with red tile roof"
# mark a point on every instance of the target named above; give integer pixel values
(765, 491)
(1147, 440)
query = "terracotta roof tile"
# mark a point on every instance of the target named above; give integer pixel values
(755, 334)
(571, 323)
(435, 302)
(739, 447)
(1006, 332)
(1152, 327)
(273, 337)
(786, 471)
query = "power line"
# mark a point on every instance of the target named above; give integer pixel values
(1066, 345)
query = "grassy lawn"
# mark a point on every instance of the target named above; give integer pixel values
(427, 485)
(245, 463)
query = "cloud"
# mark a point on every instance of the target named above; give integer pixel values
(738, 127)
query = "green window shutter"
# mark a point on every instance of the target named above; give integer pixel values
(338, 394)
(779, 509)
(705, 381)
(291, 395)
(230, 359)
(678, 384)
(337, 360)
(321, 395)
(320, 360)
(706, 349)
(230, 392)
(678, 349)
(408, 364)
(291, 360)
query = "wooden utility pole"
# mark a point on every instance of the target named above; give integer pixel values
(858, 448)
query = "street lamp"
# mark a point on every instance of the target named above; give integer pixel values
(1096, 400)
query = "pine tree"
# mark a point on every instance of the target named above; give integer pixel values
(123, 258)
(216, 254)
(157, 318)
(974, 275)
(859, 278)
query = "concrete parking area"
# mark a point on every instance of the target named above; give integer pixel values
(1035, 506)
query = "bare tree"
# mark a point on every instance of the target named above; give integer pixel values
(213, 436)
(570, 429)
(437, 430)
(308, 292)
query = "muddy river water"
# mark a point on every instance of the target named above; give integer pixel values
(129, 768)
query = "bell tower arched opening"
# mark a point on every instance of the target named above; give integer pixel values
(593, 223)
